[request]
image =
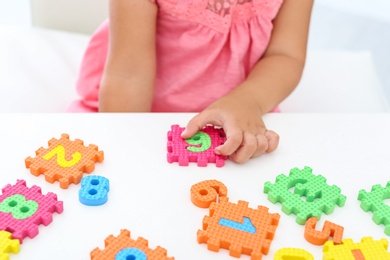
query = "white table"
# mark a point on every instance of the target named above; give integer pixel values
(151, 197)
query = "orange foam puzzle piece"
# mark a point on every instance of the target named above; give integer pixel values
(320, 237)
(205, 192)
(113, 245)
(238, 228)
(64, 160)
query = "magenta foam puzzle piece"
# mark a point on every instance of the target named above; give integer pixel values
(199, 148)
(27, 226)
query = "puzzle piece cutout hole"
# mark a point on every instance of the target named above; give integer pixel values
(303, 196)
(386, 201)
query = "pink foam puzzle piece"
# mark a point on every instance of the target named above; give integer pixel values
(28, 226)
(199, 149)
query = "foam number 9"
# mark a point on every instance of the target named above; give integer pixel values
(205, 192)
(94, 190)
(131, 253)
(19, 206)
(200, 142)
(61, 160)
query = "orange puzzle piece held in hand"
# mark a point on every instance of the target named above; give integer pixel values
(123, 247)
(64, 160)
(235, 227)
(320, 237)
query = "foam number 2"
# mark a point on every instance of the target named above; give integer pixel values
(60, 152)
(19, 207)
(200, 142)
(94, 190)
(131, 253)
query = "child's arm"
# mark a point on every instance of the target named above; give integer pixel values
(272, 79)
(128, 78)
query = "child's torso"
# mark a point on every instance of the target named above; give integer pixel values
(205, 48)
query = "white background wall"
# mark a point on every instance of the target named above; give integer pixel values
(379, 9)
(15, 12)
(355, 25)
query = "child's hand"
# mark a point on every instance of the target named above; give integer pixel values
(240, 117)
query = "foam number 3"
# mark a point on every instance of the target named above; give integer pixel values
(200, 142)
(131, 253)
(19, 207)
(60, 152)
(94, 190)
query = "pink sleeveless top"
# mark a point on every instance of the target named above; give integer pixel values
(205, 48)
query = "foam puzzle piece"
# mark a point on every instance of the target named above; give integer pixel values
(199, 148)
(374, 201)
(238, 228)
(205, 192)
(320, 237)
(320, 197)
(26, 227)
(8, 245)
(115, 249)
(367, 249)
(292, 254)
(94, 190)
(64, 160)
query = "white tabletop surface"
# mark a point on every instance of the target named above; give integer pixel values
(151, 197)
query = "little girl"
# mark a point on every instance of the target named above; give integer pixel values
(230, 60)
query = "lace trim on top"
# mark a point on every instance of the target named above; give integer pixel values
(219, 14)
(224, 7)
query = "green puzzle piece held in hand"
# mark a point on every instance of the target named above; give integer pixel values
(201, 142)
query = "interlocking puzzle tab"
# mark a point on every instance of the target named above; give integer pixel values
(374, 201)
(367, 249)
(123, 247)
(235, 227)
(199, 148)
(8, 245)
(94, 190)
(205, 192)
(64, 160)
(320, 197)
(292, 254)
(17, 201)
(320, 237)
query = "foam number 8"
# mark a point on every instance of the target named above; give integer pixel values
(131, 253)
(94, 190)
(19, 207)
(200, 142)
(61, 160)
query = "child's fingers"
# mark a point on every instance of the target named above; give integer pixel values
(262, 145)
(273, 141)
(234, 138)
(247, 148)
(193, 126)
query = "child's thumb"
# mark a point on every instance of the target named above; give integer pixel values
(193, 126)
